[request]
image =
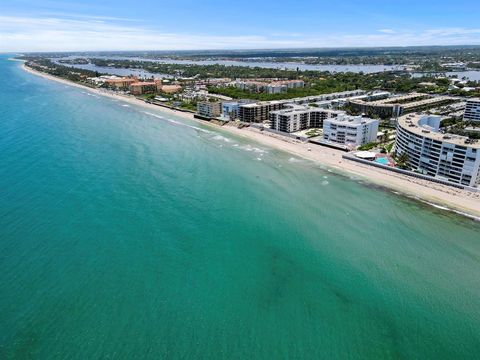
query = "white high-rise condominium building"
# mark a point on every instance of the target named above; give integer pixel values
(351, 131)
(447, 157)
(472, 110)
(299, 117)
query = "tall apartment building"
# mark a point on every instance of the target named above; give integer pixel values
(472, 110)
(230, 109)
(444, 156)
(259, 112)
(209, 109)
(299, 117)
(351, 131)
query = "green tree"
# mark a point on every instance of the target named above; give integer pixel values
(402, 160)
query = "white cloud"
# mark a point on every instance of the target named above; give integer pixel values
(387, 31)
(56, 34)
(83, 33)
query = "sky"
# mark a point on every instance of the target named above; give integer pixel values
(95, 25)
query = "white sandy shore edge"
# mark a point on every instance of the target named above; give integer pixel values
(462, 201)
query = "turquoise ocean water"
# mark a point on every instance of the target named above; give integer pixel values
(132, 234)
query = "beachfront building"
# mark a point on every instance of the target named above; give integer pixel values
(209, 109)
(259, 112)
(447, 157)
(351, 131)
(396, 106)
(143, 87)
(472, 110)
(230, 110)
(122, 84)
(299, 117)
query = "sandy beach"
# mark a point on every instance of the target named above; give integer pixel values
(462, 201)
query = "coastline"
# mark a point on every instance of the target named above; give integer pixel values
(437, 195)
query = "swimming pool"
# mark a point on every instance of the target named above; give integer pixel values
(382, 160)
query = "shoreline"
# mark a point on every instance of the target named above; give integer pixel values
(462, 202)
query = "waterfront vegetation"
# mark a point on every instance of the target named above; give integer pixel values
(316, 82)
(368, 146)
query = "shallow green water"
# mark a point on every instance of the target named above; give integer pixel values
(126, 234)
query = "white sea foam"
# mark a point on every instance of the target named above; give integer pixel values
(325, 183)
(125, 105)
(444, 208)
(221, 138)
(177, 122)
(438, 206)
(253, 149)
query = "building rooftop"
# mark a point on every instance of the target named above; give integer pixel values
(351, 120)
(120, 80)
(429, 101)
(420, 124)
(260, 103)
(142, 83)
(314, 98)
(302, 109)
(398, 99)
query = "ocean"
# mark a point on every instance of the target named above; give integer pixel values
(128, 233)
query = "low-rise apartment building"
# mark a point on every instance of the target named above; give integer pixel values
(143, 87)
(121, 83)
(399, 105)
(447, 157)
(351, 131)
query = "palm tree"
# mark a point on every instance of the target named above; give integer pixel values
(385, 136)
(402, 160)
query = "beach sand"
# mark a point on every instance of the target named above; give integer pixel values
(463, 201)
